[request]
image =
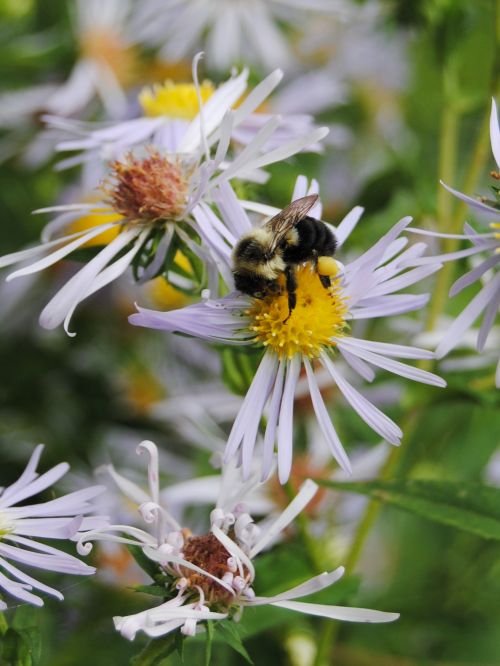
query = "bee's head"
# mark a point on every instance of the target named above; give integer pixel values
(255, 252)
(255, 247)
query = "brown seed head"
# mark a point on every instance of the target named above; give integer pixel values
(209, 554)
(147, 189)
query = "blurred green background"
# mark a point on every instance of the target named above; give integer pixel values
(75, 394)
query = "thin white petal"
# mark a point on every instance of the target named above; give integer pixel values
(301, 500)
(339, 612)
(325, 421)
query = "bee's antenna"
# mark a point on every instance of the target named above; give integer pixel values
(203, 134)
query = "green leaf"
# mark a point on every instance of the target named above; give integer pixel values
(22, 642)
(230, 635)
(472, 507)
(155, 651)
(210, 638)
(179, 645)
(155, 590)
(238, 368)
(3, 624)
(144, 562)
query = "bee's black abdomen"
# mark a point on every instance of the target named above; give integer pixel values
(315, 240)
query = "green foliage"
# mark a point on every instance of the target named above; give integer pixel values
(238, 367)
(156, 651)
(230, 634)
(21, 644)
(72, 394)
(471, 507)
(147, 565)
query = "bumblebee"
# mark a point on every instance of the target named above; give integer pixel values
(288, 239)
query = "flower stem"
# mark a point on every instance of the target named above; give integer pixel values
(447, 221)
(302, 523)
(3, 624)
(329, 630)
(449, 218)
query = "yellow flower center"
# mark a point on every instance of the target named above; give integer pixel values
(94, 219)
(174, 100)
(319, 315)
(495, 226)
(164, 294)
(6, 526)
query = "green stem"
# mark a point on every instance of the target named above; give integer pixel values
(452, 223)
(3, 624)
(449, 221)
(329, 629)
(302, 523)
(446, 170)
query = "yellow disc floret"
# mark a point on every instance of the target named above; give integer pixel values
(319, 315)
(496, 226)
(6, 525)
(174, 100)
(94, 219)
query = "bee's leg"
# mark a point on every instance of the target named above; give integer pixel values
(325, 281)
(327, 268)
(291, 287)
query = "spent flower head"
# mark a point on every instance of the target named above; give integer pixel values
(211, 576)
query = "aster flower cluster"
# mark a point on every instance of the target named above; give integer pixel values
(172, 181)
(483, 246)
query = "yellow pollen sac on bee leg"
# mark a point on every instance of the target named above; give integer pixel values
(327, 266)
(319, 315)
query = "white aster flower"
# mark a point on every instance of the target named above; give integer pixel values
(465, 358)
(211, 576)
(171, 121)
(485, 245)
(105, 65)
(146, 199)
(315, 334)
(230, 30)
(355, 50)
(20, 527)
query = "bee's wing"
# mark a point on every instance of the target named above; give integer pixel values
(287, 218)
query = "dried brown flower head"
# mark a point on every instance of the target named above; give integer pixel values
(147, 189)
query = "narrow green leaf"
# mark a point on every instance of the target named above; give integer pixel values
(26, 623)
(472, 507)
(3, 624)
(155, 651)
(209, 640)
(155, 590)
(144, 562)
(179, 645)
(230, 635)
